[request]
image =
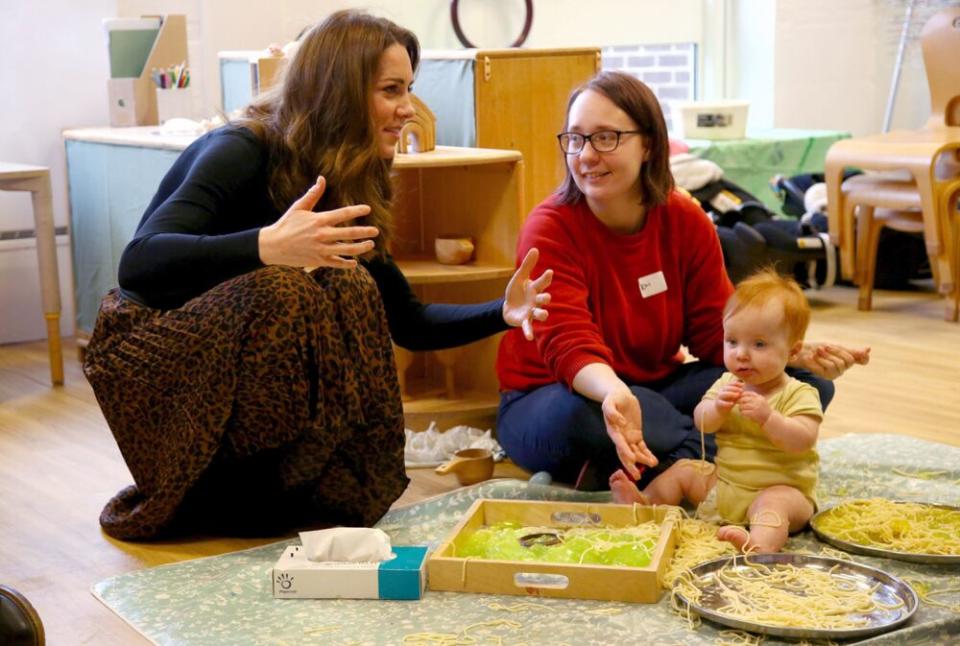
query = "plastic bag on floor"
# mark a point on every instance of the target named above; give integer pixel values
(431, 448)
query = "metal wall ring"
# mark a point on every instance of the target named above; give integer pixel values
(455, 19)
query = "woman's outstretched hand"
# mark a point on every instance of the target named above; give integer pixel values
(302, 238)
(525, 299)
(624, 421)
(828, 360)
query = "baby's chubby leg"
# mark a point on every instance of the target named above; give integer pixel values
(774, 514)
(686, 479)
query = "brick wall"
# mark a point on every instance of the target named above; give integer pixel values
(670, 70)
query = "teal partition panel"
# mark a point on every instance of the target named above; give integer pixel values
(236, 83)
(110, 187)
(446, 86)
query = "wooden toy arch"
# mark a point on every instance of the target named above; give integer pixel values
(422, 129)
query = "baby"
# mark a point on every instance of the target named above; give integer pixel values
(766, 424)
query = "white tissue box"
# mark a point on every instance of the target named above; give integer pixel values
(401, 578)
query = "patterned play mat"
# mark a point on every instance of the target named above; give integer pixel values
(227, 599)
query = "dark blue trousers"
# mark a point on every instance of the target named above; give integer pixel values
(557, 430)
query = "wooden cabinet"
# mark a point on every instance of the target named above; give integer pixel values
(512, 99)
(468, 192)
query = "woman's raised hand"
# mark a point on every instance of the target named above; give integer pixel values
(624, 422)
(302, 238)
(829, 360)
(524, 298)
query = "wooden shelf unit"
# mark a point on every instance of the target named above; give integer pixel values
(422, 271)
(518, 98)
(466, 191)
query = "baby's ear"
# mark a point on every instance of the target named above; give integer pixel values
(795, 349)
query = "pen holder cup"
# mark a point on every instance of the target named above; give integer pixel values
(173, 102)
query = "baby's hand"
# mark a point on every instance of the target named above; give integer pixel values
(755, 407)
(728, 396)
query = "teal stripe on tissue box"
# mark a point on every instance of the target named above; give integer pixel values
(403, 577)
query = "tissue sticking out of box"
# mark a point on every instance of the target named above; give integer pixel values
(351, 544)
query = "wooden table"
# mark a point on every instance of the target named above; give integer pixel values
(36, 180)
(915, 151)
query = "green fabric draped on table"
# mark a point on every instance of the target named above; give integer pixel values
(752, 162)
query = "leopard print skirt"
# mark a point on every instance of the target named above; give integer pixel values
(267, 403)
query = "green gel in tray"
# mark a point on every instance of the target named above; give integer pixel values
(594, 546)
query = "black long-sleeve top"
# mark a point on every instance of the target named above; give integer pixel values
(202, 228)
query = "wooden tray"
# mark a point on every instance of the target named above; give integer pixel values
(447, 572)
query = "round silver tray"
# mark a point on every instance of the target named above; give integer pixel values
(889, 591)
(871, 550)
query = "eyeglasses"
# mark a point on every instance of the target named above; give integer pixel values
(603, 141)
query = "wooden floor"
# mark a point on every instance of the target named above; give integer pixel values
(59, 464)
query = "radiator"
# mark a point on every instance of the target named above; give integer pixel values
(21, 312)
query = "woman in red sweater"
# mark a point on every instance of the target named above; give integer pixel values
(639, 281)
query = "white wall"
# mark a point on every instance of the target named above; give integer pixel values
(825, 60)
(752, 53)
(826, 64)
(219, 25)
(54, 67)
(802, 63)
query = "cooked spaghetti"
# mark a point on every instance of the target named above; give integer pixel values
(787, 596)
(908, 527)
(696, 542)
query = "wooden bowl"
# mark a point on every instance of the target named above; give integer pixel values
(469, 465)
(453, 249)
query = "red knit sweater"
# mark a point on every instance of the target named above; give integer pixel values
(597, 311)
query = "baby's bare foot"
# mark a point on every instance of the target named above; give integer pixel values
(624, 490)
(738, 536)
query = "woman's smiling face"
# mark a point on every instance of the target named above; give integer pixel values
(390, 103)
(603, 177)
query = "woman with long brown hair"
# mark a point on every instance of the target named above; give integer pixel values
(249, 395)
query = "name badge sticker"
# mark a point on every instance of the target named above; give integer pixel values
(652, 284)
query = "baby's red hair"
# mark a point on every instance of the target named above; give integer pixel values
(763, 287)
